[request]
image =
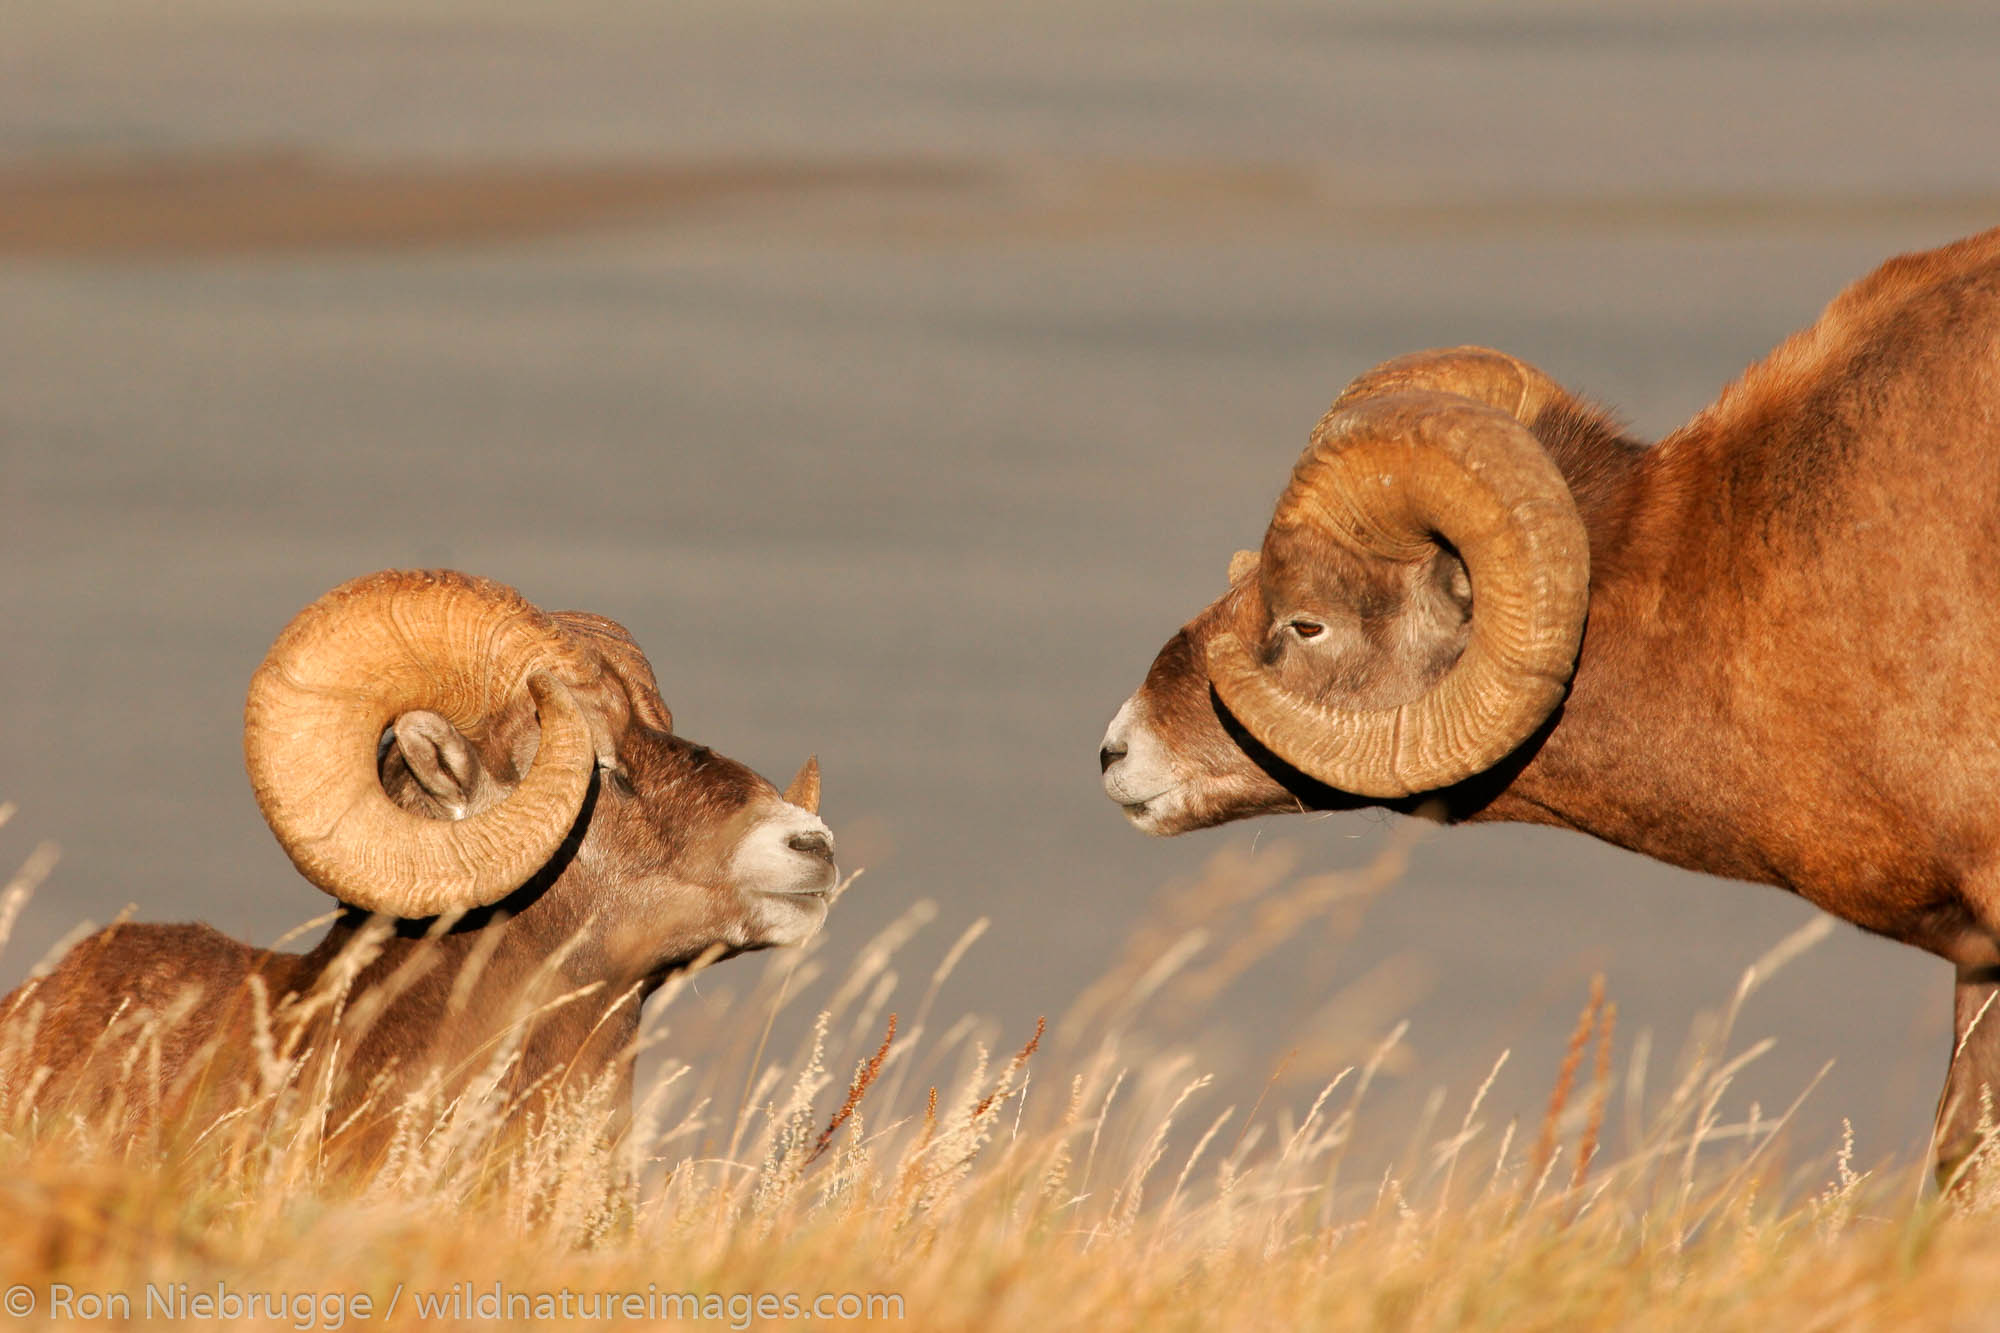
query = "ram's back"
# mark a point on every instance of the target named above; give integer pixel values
(133, 1015)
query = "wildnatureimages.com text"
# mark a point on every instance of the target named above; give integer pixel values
(463, 1300)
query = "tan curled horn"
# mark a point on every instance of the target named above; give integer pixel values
(348, 666)
(1427, 449)
(1478, 373)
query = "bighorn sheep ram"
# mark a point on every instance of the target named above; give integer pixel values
(1765, 648)
(496, 798)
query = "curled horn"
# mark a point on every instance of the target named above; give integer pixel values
(361, 656)
(1425, 449)
(1478, 373)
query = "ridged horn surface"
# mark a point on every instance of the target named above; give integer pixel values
(1390, 473)
(1478, 373)
(358, 658)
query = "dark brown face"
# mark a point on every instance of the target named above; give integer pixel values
(1368, 633)
(690, 851)
(683, 850)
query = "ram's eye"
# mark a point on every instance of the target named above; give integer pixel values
(1306, 629)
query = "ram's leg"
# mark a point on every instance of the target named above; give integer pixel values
(1968, 1114)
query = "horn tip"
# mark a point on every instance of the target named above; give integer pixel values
(803, 790)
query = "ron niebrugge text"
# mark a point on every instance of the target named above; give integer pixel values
(465, 1300)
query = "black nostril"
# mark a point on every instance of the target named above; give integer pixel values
(1112, 752)
(812, 843)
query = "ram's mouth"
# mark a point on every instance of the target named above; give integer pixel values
(1136, 805)
(820, 883)
(1155, 814)
(825, 895)
(793, 916)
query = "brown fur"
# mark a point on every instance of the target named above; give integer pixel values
(639, 890)
(1791, 669)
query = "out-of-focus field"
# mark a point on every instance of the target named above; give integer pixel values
(898, 1169)
(902, 376)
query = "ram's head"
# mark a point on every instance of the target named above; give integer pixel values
(430, 744)
(1412, 619)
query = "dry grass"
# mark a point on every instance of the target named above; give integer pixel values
(1091, 1180)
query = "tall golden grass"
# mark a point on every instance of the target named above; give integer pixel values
(900, 1166)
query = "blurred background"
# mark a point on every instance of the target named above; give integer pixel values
(903, 375)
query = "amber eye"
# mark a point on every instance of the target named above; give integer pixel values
(1306, 629)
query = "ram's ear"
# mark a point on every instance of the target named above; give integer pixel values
(804, 789)
(441, 760)
(1241, 565)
